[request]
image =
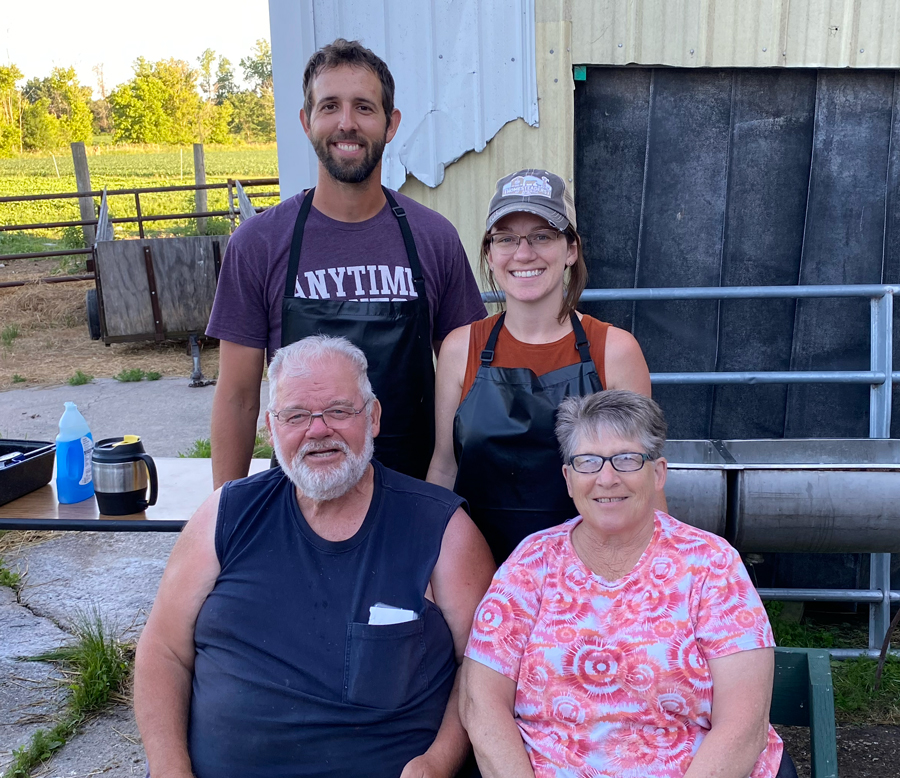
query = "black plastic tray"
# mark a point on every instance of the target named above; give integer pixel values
(29, 474)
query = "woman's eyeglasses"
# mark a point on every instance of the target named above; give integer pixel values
(508, 242)
(629, 462)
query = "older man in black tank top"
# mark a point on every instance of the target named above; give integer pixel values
(311, 618)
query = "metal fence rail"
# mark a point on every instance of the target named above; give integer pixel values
(880, 377)
(140, 218)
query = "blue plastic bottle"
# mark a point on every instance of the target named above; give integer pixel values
(74, 446)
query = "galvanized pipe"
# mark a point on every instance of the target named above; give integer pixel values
(827, 595)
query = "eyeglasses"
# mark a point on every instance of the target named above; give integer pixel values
(334, 418)
(629, 462)
(508, 242)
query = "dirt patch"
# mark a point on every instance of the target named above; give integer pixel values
(51, 340)
(862, 752)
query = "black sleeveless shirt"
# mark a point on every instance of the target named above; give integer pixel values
(290, 679)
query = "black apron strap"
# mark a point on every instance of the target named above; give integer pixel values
(290, 281)
(412, 254)
(581, 341)
(487, 356)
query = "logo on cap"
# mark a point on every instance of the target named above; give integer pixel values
(528, 186)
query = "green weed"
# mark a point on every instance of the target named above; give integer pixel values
(98, 665)
(80, 378)
(152, 375)
(129, 375)
(262, 448)
(10, 578)
(855, 698)
(9, 333)
(17, 379)
(202, 449)
(44, 743)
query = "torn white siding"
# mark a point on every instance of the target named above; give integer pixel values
(463, 69)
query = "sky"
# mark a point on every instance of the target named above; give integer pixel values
(43, 34)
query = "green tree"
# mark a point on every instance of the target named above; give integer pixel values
(10, 111)
(41, 130)
(253, 116)
(159, 105)
(217, 124)
(100, 108)
(225, 86)
(207, 80)
(66, 100)
(258, 67)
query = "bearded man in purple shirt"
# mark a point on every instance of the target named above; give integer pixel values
(347, 258)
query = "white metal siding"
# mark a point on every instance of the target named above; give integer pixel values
(462, 69)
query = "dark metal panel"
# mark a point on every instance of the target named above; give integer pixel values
(681, 233)
(891, 271)
(844, 243)
(611, 113)
(768, 177)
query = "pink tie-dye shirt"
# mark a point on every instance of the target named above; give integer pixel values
(612, 679)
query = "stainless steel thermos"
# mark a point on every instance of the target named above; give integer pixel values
(121, 473)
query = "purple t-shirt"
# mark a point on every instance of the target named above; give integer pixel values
(339, 261)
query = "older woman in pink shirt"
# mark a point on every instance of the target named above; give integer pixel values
(623, 642)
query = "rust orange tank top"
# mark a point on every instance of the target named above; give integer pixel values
(540, 358)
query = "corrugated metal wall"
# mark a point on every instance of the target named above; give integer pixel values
(738, 33)
(687, 33)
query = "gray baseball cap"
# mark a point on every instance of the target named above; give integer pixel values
(533, 191)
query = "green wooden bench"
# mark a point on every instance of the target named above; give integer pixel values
(803, 697)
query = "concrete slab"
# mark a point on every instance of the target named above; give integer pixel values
(30, 692)
(167, 414)
(117, 573)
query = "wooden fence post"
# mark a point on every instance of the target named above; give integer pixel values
(200, 194)
(83, 183)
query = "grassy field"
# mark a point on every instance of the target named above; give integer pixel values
(119, 168)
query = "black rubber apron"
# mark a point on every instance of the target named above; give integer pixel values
(510, 469)
(395, 337)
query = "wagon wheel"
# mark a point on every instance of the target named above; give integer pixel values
(93, 314)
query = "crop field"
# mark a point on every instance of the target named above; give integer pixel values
(121, 168)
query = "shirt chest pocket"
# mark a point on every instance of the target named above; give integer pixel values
(384, 665)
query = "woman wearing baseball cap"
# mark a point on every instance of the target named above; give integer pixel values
(499, 381)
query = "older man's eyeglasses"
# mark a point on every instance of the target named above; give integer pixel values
(629, 462)
(335, 418)
(508, 242)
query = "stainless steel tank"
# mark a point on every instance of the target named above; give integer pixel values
(696, 487)
(815, 495)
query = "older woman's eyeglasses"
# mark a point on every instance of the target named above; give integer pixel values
(629, 462)
(508, 242)
(336, 418)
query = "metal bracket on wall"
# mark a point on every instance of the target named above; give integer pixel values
(154, 295)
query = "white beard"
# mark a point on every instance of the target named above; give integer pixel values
(326, 484)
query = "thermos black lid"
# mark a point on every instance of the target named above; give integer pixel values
(121, 449)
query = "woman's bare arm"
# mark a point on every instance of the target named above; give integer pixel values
(742, 693)
(451, 370)
(625, 366)
(487, 707)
